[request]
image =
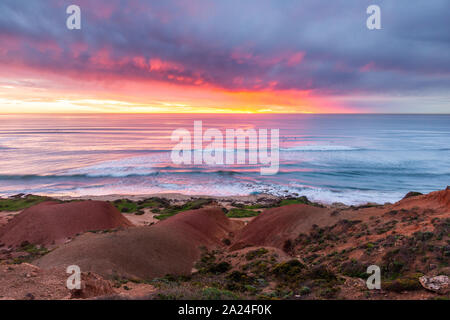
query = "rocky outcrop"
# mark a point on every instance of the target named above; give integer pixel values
(439, 284)
(92, 285)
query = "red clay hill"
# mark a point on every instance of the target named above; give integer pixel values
(168, 247)
(406, 239)
(278, 227)
(53, 222)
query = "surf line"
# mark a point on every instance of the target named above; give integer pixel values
(234, 147)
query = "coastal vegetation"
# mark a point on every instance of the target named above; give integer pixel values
(20, 202)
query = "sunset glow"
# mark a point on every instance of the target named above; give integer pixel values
(201, 57)
(58, 94)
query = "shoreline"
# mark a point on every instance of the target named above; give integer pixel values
(250, 199)
(169, 196)
(177, 196)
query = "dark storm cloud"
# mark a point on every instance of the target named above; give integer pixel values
(322, 46)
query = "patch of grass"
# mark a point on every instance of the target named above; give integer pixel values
(125, 205)
(153, 202)
(242, 213)
(288, 201)
(165, 215)
(129, 206)
(255, 206)
(32, 252)
(190, 205)
(20, 202)
(32, 249)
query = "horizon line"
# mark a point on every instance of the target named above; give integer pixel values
(223, 113)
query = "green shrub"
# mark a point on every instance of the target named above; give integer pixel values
(217, 294)
(304, 290)
(240, 281)
(322, 272)
(218, 268)
(256, 253)
(407, 283)
(288, 269)
(354, 269)
(397, 261)
(329, 292)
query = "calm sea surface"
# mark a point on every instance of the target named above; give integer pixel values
(347, 158)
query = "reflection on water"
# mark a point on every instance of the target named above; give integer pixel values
(347, 158)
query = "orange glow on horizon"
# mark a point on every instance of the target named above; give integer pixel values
(38, 91)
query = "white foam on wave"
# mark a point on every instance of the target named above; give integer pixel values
(131, 166)
(353, 197)
(130, 181)
(327, 196)
(321, 148)
(215, 188)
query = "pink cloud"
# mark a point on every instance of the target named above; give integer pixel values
(296, 58)
(368, 67)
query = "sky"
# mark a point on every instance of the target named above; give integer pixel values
(304, 56)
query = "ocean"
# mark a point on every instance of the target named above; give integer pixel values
(352, 159)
